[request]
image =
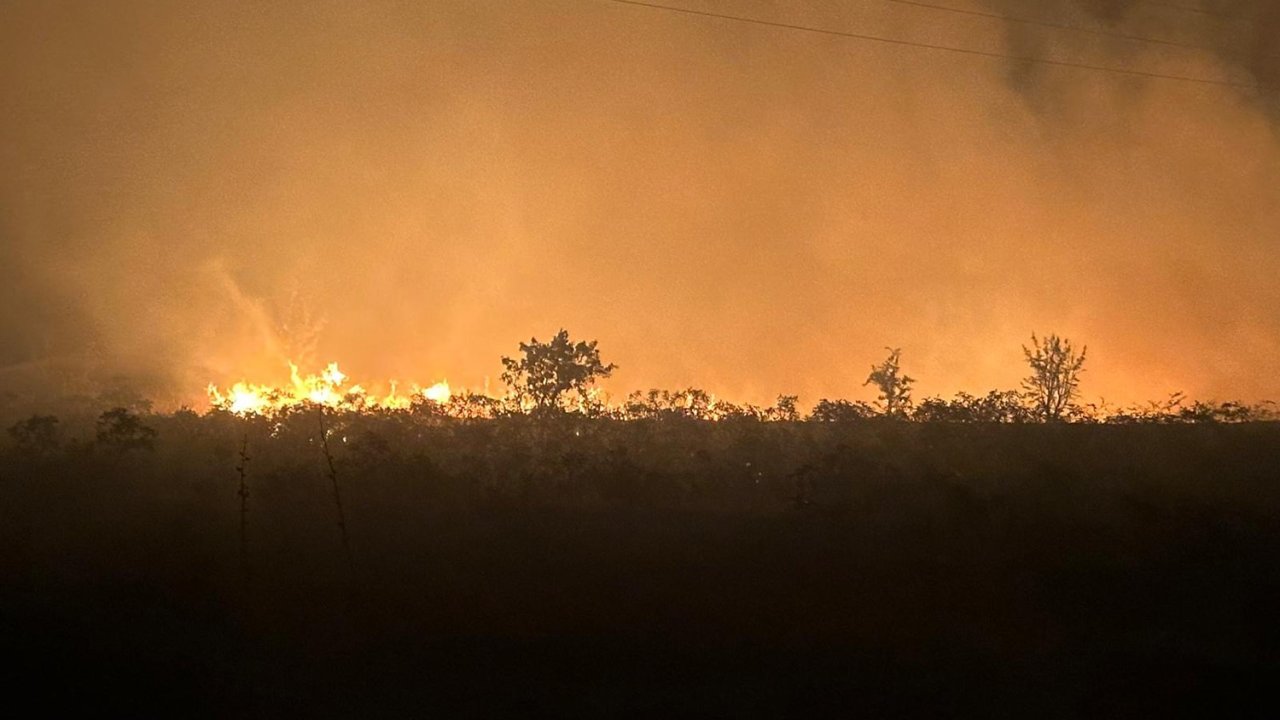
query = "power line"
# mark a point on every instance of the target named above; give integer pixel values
(1054, 25)
(1195, 11)
(1076, 28)
(944, 48)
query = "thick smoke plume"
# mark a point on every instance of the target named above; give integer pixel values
(195, 192)
(1236, 36)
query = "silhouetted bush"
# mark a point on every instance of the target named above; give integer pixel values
(121, 430)
(997, 406)
(37, 435)
(841, 411)
(1062, 555)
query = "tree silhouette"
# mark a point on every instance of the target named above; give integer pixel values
(122, 430)
(895, 388)
(1055, 375)
(37, 435)
(784, 410)
(547, 374)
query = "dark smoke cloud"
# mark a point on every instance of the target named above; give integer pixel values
(1237, 37)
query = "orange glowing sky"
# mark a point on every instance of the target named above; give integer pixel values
(200, 191)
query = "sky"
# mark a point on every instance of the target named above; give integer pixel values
(195, 192)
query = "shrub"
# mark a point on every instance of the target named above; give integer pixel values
(37, 435)
(122, 431)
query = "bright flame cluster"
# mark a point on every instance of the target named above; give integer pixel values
(327, 388)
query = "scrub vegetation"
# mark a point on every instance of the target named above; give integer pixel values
(978, 555)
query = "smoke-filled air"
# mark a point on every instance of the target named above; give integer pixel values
(198, 193)
(640, 358)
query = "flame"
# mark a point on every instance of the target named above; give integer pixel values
(242, 398)
(392, 401)
(439, 392)
(321, 389)
(327, 388)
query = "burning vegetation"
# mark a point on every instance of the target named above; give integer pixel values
(328, 388)
(560, 376)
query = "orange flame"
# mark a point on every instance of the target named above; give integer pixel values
(327, 388)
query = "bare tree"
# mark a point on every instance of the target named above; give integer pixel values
(337, 491)
(895, 388)
(242, 470)
(1055, 375)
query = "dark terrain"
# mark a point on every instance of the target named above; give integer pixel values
(595, 568)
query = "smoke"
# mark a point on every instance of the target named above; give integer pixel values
(195, 192)
(1229, 41)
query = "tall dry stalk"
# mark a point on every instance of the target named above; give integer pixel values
(243, 493)
(337, 492)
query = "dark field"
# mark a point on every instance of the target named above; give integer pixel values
(596, 568)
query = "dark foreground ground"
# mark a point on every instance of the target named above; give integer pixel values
(597, 569)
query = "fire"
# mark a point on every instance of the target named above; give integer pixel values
(328, 388)
(242, 399)
(439, 392)
(322, 389)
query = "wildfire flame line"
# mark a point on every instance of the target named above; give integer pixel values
(325, 388)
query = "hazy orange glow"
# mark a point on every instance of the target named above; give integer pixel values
(202, 191)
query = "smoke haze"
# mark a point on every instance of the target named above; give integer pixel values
(199, 191)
